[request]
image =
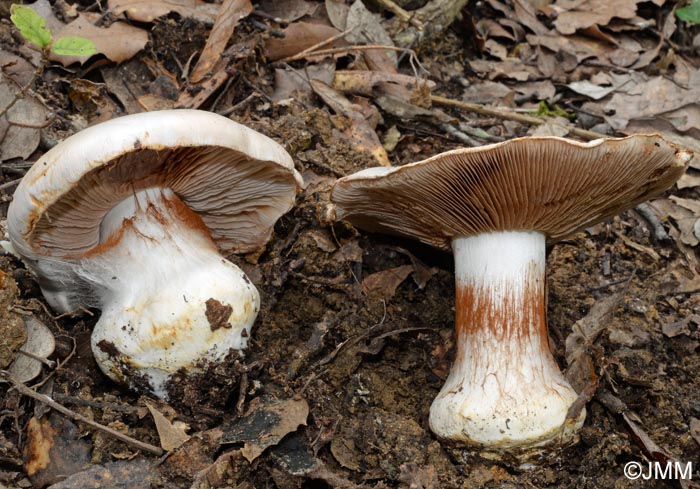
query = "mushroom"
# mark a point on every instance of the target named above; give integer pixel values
(496, 207)
(128, 216)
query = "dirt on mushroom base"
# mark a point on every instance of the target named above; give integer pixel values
(370, 359)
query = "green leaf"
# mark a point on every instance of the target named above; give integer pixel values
(30, 24)
(73, 46)
(691, 13)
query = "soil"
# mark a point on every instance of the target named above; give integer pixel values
(369, 363)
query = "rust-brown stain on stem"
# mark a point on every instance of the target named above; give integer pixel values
(511, 320)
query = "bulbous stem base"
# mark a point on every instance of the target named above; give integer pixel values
(169, 300)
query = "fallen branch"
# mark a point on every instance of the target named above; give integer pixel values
(512, 116)
(26, 391)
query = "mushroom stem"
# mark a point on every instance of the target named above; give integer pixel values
(505, 389)
(169, 300)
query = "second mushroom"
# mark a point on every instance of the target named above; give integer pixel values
(496, 207)
(130, 215)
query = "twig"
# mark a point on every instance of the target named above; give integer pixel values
(45, 361)
(319, 45)
(10, 184)
(345, 50)
(401, 13)
(512, 116)
(24, 390)
(657, 228)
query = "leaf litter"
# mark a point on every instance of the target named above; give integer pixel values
(343, 324)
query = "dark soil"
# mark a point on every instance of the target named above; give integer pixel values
(369, 364)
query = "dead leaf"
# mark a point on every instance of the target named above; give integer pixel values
(581, 371)
(386, 282)
(651, 98)
(40, 344)
(289, 10)
(238, 53)
(230, 14)
(54, 450)
(689, 179)
(149, 10)
(21, 125)
(349, 251)
(357, 130)
(591, 12)
(118, 42)
(265, 424)
(298, 37)
(654, 451)
(289, 80)
(294, 456)
(134, 474)
(345, 453)
(510, 68)
(171, 435)
(323, 240)
(678, 328)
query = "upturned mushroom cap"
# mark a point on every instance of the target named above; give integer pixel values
(238, 181)
(552, 185)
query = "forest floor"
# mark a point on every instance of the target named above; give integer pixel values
(355, 334)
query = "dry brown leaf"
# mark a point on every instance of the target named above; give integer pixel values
(265, 424)
(511, 68)
(386, 282)
(368, 29)
(134, 474)
(149, 10)
(323, 240)
(118, 42)
(689, 179)
(581, 371)
(289, 10)
(289, 80)
(230, 14)
(20, 127)
(193, 99)
(358, 129)
(53, 450)
(171, 435)
(298, 37)
(349, 251)
(654, 97)
(576, 14)
(580, 47)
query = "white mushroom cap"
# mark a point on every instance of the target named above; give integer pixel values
(127, 216)
(238, 181)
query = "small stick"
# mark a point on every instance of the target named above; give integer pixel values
(506, 114)
(344, 50)
(10, 184)
(401, 13)
(24, 390)
(319, 45)
(657, 228)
